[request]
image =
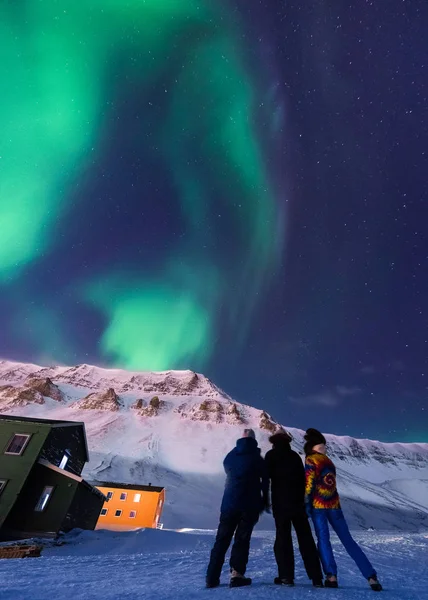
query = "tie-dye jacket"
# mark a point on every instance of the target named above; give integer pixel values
(321, 491)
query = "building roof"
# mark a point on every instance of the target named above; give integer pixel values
(52, 423)
(127, 486)
(67, 474)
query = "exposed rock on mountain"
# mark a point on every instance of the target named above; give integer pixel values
(46, 387)
(99, 401)
(11, 396)
(151, 408)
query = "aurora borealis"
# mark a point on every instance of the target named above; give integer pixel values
(180, 187)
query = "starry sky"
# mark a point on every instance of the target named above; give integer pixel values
(237, 187)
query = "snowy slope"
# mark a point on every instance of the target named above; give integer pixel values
(174, 428)
(167, 565)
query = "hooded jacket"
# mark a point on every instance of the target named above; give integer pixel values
(247, 484)
(287, 476)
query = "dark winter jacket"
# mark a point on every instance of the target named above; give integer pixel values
(247, 484)
(287, 476)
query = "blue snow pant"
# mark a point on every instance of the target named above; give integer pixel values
(321, 518)
(238, 523)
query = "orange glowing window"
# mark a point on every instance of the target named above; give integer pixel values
(137, 497)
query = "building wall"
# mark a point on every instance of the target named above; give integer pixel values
(148, 509)
(85, 509)
(61, 439)
(24, 519)
(15, 469)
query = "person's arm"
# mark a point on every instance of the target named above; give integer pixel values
(264, 476)
(310, 478)
(226, 463)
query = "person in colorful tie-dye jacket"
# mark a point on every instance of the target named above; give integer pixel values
(323, 506)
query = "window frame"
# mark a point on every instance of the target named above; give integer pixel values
(3, 484)
(46, 504)
(65, 456)
(118, 510)
(133, 516)
(123, 494)
(21, 452)
(103, 512)
(109, 495)
(139, 497)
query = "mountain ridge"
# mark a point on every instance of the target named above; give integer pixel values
(174, 428)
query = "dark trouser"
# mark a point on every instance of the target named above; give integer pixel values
(283, 547)
(241, 524)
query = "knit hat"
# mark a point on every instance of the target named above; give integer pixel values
(249, 433)
(280, 438)
(313, 437)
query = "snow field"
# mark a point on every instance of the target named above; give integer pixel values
(169, 565)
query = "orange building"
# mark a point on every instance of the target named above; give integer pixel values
(130, 506)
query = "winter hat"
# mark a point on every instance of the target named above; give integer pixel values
(280, 438)
(313, 437)
(249, 433)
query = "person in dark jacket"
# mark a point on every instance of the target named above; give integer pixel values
(287, 476)
(245, 497)
(323, 505)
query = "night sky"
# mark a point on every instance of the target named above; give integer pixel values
(237, 187)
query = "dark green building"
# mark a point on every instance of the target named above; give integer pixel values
(41, 488)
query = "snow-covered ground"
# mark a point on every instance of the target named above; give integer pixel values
(170, 565)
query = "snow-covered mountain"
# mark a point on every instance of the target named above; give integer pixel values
(174, 428)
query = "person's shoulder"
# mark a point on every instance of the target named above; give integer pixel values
(230, 454)
(310, 459)
(296, 456)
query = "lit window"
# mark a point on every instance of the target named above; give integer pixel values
(17, 444)
(2, 484)
(64, 461)
(133, 514)
(44, 499)
(109, 495)
(123, 495)
(118, 513)
(137, 497)
(103, 512)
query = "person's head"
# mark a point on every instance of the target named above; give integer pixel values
(249, 433)
(315, 441)
(281, 439)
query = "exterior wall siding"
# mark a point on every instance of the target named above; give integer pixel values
(23, 517)
(147, 509)
(62, 439)
(85, 509)
(15, 469)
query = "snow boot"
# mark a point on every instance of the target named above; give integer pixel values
(331, 581)
(238, 580)
(212, 584)
(374, 584)
(283, 581)
(317, 583)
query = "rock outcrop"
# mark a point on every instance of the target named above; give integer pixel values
(107, 400)
(151, 408)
